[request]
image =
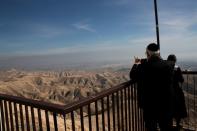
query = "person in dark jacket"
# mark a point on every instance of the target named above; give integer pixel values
(155, 93)
(179, 99)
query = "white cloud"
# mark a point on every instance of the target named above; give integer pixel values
(181, 44)
(176, 34)
(83, 26)
(179, 22)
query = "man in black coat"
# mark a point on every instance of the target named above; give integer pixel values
(155, 93)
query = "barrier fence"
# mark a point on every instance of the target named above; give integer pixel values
(114, 109)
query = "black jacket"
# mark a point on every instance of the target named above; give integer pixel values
(155, 92)
(179, 98)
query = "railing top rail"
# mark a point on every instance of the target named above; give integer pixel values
(33, 103)
(92, 98)
(189, 72)
(63, 109)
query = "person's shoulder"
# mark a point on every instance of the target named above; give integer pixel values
(168, 63)
(164, 62)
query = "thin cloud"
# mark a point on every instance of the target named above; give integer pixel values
(35, 29)
(85, 27)
(50, 31)
(102, 46)
(177, 21)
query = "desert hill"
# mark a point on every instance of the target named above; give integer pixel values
(59, 86)
(66, 86)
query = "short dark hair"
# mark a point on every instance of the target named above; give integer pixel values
(152, 47)
(172, 57)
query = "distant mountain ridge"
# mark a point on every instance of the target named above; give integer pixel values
(59, 87)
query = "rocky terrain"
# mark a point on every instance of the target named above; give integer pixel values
(59, 86)
(63, 87)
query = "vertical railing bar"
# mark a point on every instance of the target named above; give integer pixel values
(182, 122)
(47, 120)
(33, 119)
(40, 120)
(89, 118)
(27, 118)
(118, 113)
(21, 117)
(132, 107)
(6, 116)
(11, 117)
(138, 114)
(0, 119)
(113, 110)
(129, 107)
(103, 115)
(188, 110)
(82, 120)
(140, 122)
(64, 115)
(16, 116)
(2, 116)
(195, 98)
(96, 112)
(125, 95)
(122, 114)
(73, 120)
(55, 121)
(108, 113)
(136, 111)
(144, 124)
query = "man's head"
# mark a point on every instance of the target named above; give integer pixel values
(172, 58)
(152, 49)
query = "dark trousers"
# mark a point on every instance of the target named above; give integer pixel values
(152, 122)
(151, 125)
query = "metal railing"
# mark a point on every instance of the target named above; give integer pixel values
(190, 92)
(113, 109)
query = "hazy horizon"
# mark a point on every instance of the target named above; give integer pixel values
(82, 61)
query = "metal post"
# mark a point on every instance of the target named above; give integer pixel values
(157, 23)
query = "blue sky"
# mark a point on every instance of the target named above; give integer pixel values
(105, 29)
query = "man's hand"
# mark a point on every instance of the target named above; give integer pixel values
(137, 60)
